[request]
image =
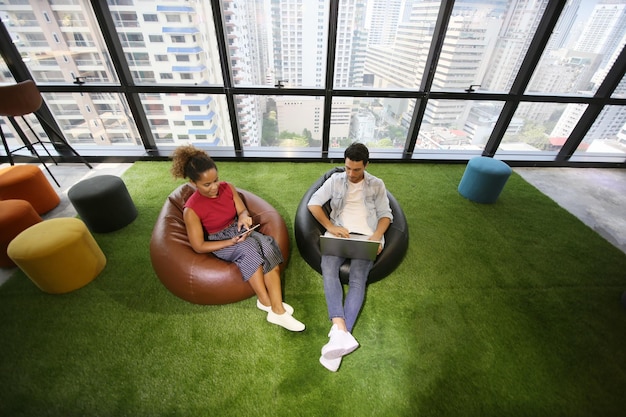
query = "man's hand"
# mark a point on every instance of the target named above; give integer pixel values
(339, 231)
(375, 238)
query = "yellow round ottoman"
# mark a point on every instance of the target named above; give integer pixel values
(59, 255)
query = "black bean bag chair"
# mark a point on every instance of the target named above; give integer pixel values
(308, 230)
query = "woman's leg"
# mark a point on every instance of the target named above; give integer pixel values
(251, 261)
(274, 290)
(266, 289)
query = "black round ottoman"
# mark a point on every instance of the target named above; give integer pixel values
(103, 203)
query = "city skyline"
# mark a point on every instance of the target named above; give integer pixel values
(284, 42)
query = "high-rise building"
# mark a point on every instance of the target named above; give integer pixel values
(382, 20)
(519, 22)
(602, 37)
(169, 43)
(299, 48)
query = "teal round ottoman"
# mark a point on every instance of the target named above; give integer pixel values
(483, 179)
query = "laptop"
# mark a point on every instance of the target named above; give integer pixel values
(355, 247)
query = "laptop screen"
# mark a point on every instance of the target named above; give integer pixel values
(354, 247)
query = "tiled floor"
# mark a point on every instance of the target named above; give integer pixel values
(597, 196)
(68, 175)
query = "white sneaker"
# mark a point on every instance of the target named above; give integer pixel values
(285, 320)
(267, 309)
(330, 364)
(340, 344)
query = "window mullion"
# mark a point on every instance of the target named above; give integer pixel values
(116, 52)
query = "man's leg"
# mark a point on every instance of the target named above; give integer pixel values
(341, 342)
(333, 290)
(359, 270)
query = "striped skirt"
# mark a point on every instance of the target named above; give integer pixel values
(257, 250)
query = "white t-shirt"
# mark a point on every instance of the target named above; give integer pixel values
(354, 214)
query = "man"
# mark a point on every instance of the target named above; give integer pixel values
(359, 204)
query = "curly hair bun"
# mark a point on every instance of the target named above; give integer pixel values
(190, 162)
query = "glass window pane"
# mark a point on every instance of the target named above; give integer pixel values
(96, 119)
(485, 44)
(540, 127)
(5, 74)
(396, 47)
(340, 126)
(620, 91)
(13, 138)
(280, 121)
(607, 135)
(457, 125)
(168, 41)
(58, 41)
(375, 121)
(352, 35)
(188, 118)
(87, 121)
(277, 42)
(13, 141)
(583, 47)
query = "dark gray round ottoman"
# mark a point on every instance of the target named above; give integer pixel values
(103, 203)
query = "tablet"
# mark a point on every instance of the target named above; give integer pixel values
(248, 230)
(352, 247)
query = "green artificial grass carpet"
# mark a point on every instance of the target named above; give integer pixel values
(511, 309)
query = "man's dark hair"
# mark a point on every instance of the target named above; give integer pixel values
(357, 152)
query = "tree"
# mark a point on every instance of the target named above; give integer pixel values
(535, 135)
(384, 143)
(269, 131)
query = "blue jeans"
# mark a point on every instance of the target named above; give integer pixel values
(333, 289)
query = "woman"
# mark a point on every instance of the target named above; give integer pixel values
(217, 208)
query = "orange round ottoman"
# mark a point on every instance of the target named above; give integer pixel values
(27, 182)
(15, 216)
(59, 255)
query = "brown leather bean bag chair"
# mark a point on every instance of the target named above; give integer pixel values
(204, 278)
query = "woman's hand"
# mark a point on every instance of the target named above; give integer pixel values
(244, 221)
(238, 238)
